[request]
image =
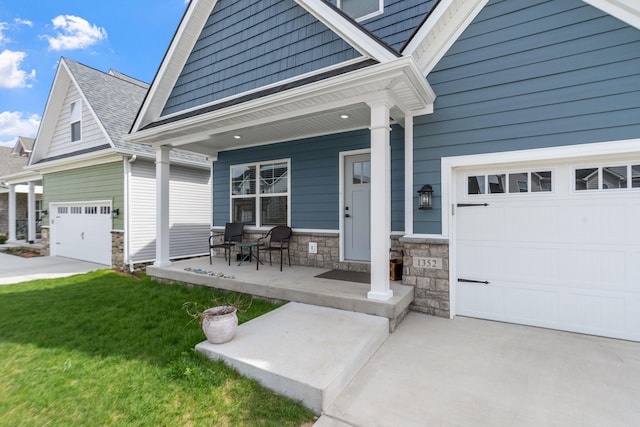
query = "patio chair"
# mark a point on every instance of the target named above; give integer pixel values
(278, 240)
(232, 235)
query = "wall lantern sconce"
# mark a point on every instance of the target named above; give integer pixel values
(115, 213)
(425, 197)
(44, 212)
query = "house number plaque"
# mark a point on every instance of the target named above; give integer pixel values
(431, 263)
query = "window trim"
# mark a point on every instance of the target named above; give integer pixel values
(600, 166)
(258, 196)
(511, 171)
(380, 11)
(79, 120)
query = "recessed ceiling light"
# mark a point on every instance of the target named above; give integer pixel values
(237, 136)
(344, 116)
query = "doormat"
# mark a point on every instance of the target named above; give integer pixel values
(347, 276)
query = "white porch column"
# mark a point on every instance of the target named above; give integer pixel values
(380, 202)
(408, 175)
(31, 213)
(162, 206)
(12, 212)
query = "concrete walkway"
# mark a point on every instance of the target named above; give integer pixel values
(469, 372)
(15, 269)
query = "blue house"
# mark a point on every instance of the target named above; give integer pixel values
(520, 120)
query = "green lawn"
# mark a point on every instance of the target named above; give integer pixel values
(108, 349)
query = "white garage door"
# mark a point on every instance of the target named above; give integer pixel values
(556, 245)
(82, 231)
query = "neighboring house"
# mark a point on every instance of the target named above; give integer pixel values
(16, 185)
(516, 113)
(99, 191)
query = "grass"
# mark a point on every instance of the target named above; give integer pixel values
(108, 349)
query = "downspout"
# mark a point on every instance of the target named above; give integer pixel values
(127, 192)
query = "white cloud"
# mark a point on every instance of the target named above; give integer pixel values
(11, 76)
(14, 124)
(3, 38)
(19, 21)
(74, 33)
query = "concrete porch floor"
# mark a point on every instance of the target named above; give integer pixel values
(295, 283)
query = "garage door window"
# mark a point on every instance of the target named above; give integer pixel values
(607, 178)
(517, 182)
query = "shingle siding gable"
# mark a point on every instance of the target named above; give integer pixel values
(398, 21)
(246, 45)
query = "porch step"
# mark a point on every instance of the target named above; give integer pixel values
(306, 352)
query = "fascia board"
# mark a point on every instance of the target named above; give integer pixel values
(51, 111)
(173, 62)
(75, 162)
(349, 31)
(21, 177)
(442, 28)
(625, 10)
(183, 162)
(401, 66)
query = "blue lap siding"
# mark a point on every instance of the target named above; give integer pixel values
(315, 179)
(529, 74)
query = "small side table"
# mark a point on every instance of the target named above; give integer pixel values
(250, 255)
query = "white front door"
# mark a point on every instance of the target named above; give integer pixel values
(357, 207)
(555, 245)
(82, 231)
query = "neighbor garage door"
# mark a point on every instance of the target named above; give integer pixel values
(82, 231)
(555, 245)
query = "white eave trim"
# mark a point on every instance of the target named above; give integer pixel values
(400, 68)
(78, 161)
(352, 33)
(177, 54)
(625, 10)
(440, 31)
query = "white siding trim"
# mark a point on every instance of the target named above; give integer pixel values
(625, 10)
(352, 34)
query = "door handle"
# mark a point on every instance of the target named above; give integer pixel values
(82, 235)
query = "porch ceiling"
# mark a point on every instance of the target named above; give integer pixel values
(307, 111)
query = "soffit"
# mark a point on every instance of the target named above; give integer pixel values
(307, 111)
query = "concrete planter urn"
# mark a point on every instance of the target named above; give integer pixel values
(220, 323)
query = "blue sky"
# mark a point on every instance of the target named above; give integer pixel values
(130, 36)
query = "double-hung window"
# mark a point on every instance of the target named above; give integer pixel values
(260, 193)
(76, 121)
(361, 9)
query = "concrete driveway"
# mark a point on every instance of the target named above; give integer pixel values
(469, 372)
(15, 269)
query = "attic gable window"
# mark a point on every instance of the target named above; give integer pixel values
(76, 121)
(361, 9)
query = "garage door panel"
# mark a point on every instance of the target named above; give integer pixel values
(532, 223)
(530, 263)
(531, 305)
(586, 224)
(595, 313)
(491, 220)
(481, 301)
(483, 260)
(593, 268)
